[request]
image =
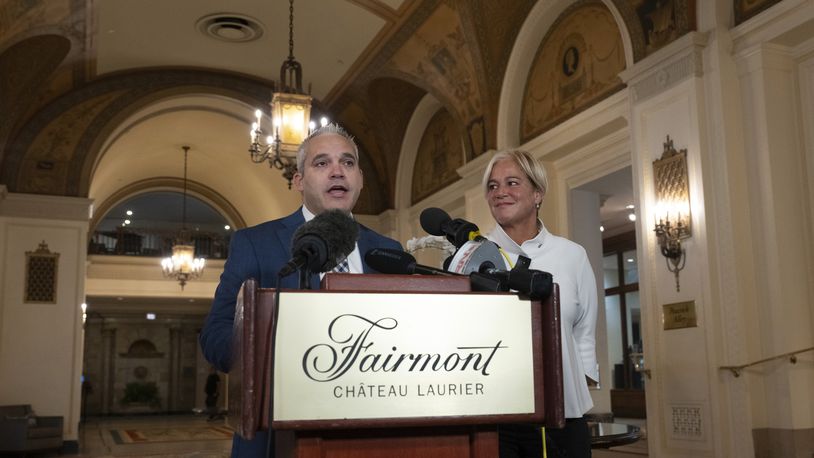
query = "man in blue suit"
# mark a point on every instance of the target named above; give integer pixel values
(329, 177)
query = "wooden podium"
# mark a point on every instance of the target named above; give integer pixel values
(463, 436)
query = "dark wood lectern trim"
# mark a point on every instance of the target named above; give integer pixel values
(454, 441)
(552, 353)
(248, 410)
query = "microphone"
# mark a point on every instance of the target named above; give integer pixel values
(320, 244)
(480, 258)
(458, 231)
(536, 284)
(473, 255)
(389, 261)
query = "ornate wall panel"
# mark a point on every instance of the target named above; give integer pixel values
(440, 153)
(745, 9)
(575, 67)
(663, 21)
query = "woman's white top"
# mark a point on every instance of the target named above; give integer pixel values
(568, 263)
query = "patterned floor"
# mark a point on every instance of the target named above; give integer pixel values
(173, 436)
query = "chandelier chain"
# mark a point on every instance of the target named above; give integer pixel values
(290, 29)
(184, 205)
(290, 115)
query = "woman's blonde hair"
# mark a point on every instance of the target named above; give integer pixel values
(533, 169)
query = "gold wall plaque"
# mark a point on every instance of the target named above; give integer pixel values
(679, 315)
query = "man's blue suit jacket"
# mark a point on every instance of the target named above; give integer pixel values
(260, 252)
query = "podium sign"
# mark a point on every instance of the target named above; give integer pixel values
(360, 356)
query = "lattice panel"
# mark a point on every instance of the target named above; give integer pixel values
(686, 422)
(41, 275)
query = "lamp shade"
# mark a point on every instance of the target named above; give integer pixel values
(291, 114)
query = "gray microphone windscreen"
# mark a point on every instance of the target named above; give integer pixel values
(337, 229)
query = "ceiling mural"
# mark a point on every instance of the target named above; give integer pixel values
(438, 54)
(662, 21)
(25, 71)
(58, 112)
(745, 9)
(440, 153)
(36, 25)
(576, 66)
(46, 165)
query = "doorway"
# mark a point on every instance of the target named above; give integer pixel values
(619, 330)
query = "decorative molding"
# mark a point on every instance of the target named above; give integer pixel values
(46, 207)
(667, 67)
(768, 25)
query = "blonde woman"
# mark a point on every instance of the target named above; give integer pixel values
(515, 184)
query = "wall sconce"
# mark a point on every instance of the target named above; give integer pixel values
(673, 217)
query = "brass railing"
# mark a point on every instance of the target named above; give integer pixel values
(792, 357)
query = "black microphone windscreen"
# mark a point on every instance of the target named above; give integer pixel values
(433, 219)
(389, 261)
(337, 229)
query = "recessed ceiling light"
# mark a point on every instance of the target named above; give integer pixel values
(630, 207)
(151, 316)
(630, 260)
(227, 227)
(129, 212)
(601, 228)
(631, 216)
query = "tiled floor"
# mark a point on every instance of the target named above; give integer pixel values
(95, 439)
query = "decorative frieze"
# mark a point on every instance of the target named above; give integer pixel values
(666, 68)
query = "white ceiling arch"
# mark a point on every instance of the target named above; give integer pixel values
(148, 144)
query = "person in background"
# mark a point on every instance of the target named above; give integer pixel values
(212, 394)
(515, 185)
(328, 177)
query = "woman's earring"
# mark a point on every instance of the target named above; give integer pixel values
(537, 205)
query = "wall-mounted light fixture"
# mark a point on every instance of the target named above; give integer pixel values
(673, 217)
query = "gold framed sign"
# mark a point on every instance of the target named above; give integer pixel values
(41, 276)
(679, 315)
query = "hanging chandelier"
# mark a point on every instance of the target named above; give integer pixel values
(290, 116)
(183, 265)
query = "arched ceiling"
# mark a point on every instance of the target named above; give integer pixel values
(124, 95)
(148, 144)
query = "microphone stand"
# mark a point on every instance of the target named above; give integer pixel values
(305, 278)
